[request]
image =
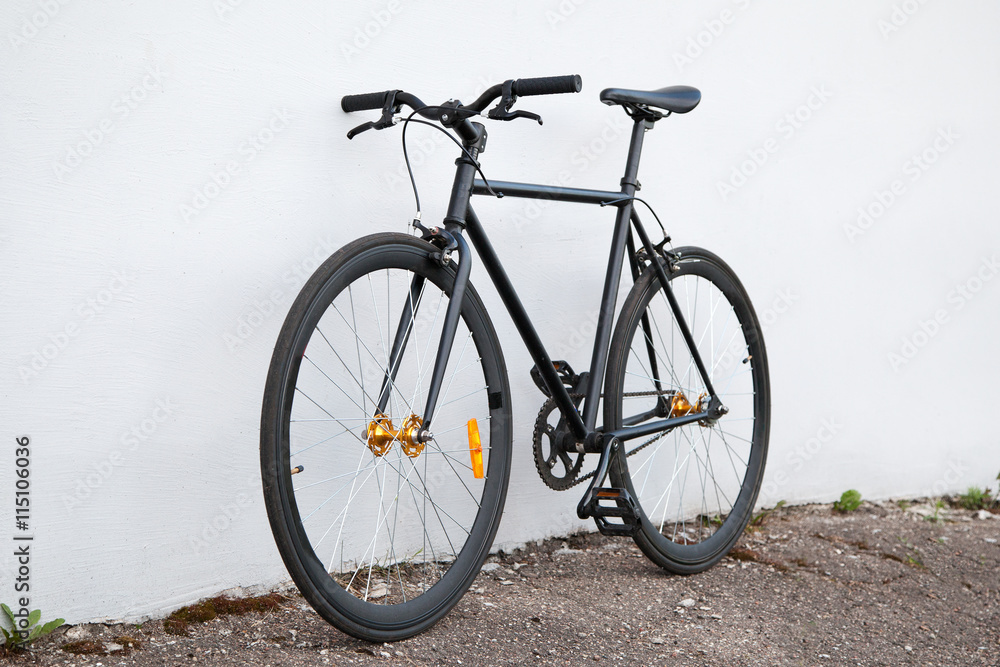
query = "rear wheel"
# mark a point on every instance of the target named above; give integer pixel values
(696, 484)
(383, 533)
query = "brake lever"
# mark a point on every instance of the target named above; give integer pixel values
(388, 119)
(507, 98)
(364, 127)
(523, 114)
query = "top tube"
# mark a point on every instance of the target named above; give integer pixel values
(555, 193)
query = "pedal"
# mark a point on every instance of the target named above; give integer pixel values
(563, 369)
(624, 508)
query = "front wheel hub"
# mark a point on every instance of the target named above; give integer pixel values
(381, 434)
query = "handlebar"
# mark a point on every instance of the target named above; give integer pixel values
(364, 101)
(545, 85)
(548, 85)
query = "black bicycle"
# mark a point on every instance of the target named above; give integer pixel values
(386, 424)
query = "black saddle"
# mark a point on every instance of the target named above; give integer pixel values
(678, 99)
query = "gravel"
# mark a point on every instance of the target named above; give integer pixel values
(879, 586)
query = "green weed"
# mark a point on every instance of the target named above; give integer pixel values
(20, 634)
(976, 498)
(849, 501)
(757, 522)
(936, 517)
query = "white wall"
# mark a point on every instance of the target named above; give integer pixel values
(122, 309)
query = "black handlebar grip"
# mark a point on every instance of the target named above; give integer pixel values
(363, 101)
(548, 85)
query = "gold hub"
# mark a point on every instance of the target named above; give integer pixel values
(381, 435)
(680, 406)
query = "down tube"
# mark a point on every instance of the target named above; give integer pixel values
(523, 323)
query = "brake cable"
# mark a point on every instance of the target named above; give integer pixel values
(644, 203)
(406, 157)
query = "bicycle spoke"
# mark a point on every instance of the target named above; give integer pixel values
(388, 516)
(689, 479)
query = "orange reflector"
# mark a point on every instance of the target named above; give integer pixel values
(475, 449)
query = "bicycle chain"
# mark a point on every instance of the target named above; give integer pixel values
(541, 422)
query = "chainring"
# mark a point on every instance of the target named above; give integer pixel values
(552, 460)
(544, 429)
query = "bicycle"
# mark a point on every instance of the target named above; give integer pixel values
(386, 428)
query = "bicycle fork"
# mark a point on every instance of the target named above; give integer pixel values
(405, 326)
(448, 239)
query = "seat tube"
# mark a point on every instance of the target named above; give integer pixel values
(609, 297)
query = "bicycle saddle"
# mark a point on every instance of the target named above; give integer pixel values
(678, 99)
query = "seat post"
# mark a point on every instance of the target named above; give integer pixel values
(630, 181)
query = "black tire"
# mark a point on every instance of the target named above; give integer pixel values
(723, 462)
(436, 517)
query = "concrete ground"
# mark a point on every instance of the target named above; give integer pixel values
(888, 584)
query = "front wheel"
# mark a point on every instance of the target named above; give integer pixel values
(382, 531)
(696, 484)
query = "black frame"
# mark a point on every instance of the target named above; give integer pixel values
(461, 217)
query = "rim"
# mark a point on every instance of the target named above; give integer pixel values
(382, 528)
(696, 483)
